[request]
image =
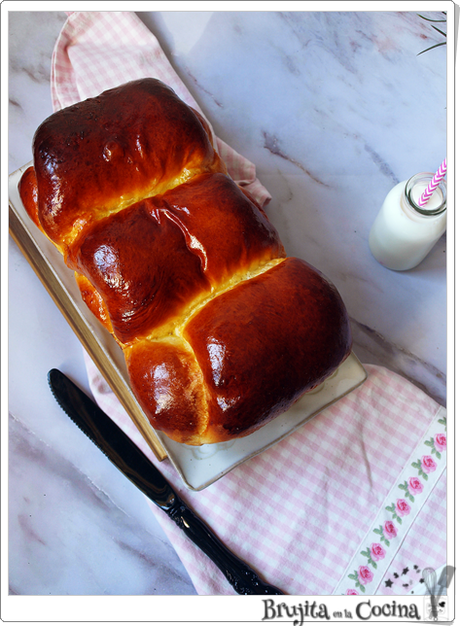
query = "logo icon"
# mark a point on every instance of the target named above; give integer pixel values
(436, 603)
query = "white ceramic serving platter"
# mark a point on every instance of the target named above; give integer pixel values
(199, 466)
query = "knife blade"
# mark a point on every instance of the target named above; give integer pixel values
(126, 456)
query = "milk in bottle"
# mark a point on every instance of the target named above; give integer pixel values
(404, 232)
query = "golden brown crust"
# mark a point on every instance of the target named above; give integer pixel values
(265, 343)
(110, 151)
(159, 256)
(169, 386)
(29, 194)
(220, 331)
(141, 267)
(221, 225)
(93, 301)
(251, 351)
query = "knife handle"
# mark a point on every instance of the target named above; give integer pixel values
(243, 579)
(127, 457)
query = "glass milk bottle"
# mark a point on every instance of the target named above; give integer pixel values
(404, 232)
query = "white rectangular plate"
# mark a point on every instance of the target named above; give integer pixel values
(198, 466)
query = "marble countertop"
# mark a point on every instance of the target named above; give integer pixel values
(328, 106)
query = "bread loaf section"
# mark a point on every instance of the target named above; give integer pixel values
(221, 331)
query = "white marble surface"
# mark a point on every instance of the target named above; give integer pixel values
(333, 108)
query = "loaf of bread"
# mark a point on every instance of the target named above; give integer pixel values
(220, 330)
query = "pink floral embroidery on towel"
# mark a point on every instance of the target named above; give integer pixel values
(389, 530)
(399, 509)
(411, 488)
(362, 576)
(438, 444)
(373, 554)
(425, 466)
(414, 486)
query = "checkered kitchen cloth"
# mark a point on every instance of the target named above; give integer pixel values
(355, 501)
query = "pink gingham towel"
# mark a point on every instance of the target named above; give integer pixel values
(355, 501)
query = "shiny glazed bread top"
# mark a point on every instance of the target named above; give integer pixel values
(219, 330)
(157, 258)
(103, 154)
(247, 355)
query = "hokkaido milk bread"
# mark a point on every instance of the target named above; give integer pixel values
(220, 330)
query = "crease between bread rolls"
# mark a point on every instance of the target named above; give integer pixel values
(221, 331)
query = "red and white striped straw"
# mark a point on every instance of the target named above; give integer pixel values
(437, 178)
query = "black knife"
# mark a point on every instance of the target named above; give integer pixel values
(127, 457)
